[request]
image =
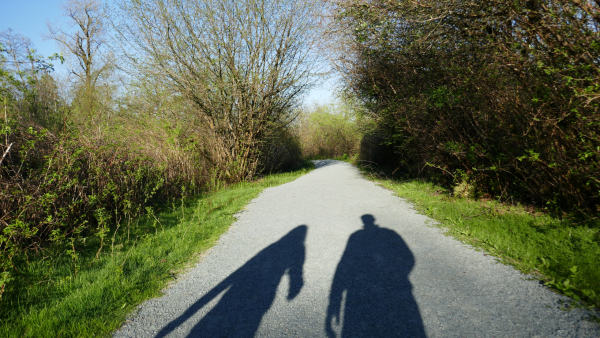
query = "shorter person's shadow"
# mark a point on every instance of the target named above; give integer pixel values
(249, 291)
(373, 274)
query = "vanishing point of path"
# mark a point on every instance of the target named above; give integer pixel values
(332, 254)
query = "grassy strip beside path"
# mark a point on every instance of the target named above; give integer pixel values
(564, 255)
(90, 296)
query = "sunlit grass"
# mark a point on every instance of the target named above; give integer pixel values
(49, 299)
(564, 255)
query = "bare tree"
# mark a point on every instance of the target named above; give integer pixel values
(20, 51)
(84, 38)
(25, 77)
(243, 65)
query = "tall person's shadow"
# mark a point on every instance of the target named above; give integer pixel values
(250, 291)
(373, 274)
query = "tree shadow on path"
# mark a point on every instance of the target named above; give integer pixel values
(250, 291)
(373, 274)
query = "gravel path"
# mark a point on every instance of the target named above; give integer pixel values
(332, 254)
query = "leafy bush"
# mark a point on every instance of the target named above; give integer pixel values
(324, 134)
(282, 152)
(59, 192)
(501, 95)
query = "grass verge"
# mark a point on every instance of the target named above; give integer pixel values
(562, 254)
(89, 293)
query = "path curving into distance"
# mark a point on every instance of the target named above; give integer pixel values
(334, 255)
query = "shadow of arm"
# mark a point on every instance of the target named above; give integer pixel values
(334, 308)
(336, 294)
(194, 308)
(295, 273)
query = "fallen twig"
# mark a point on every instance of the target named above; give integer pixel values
(5, 153)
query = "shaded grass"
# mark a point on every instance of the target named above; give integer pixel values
(562, 254)
(56, 295)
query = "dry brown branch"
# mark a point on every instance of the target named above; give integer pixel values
(5, 153)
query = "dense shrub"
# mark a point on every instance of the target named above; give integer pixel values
(282, 152)
(375, 152)
(58, 192)
(502, 95)
(325, 134)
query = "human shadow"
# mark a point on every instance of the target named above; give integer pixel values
(373, 273)
(249, 291)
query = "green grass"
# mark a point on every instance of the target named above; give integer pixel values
(49, 299)
(564, 255)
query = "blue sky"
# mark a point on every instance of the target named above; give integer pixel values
(29, 17)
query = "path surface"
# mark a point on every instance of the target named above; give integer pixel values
(332, 254)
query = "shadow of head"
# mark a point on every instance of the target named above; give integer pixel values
(368, 221)
(298, 234)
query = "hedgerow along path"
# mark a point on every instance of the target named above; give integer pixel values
(332, 254)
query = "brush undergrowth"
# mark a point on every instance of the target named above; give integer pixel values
(501, 94)
(59, 192)
(562, 254)
(324, 134)
(50, 299)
